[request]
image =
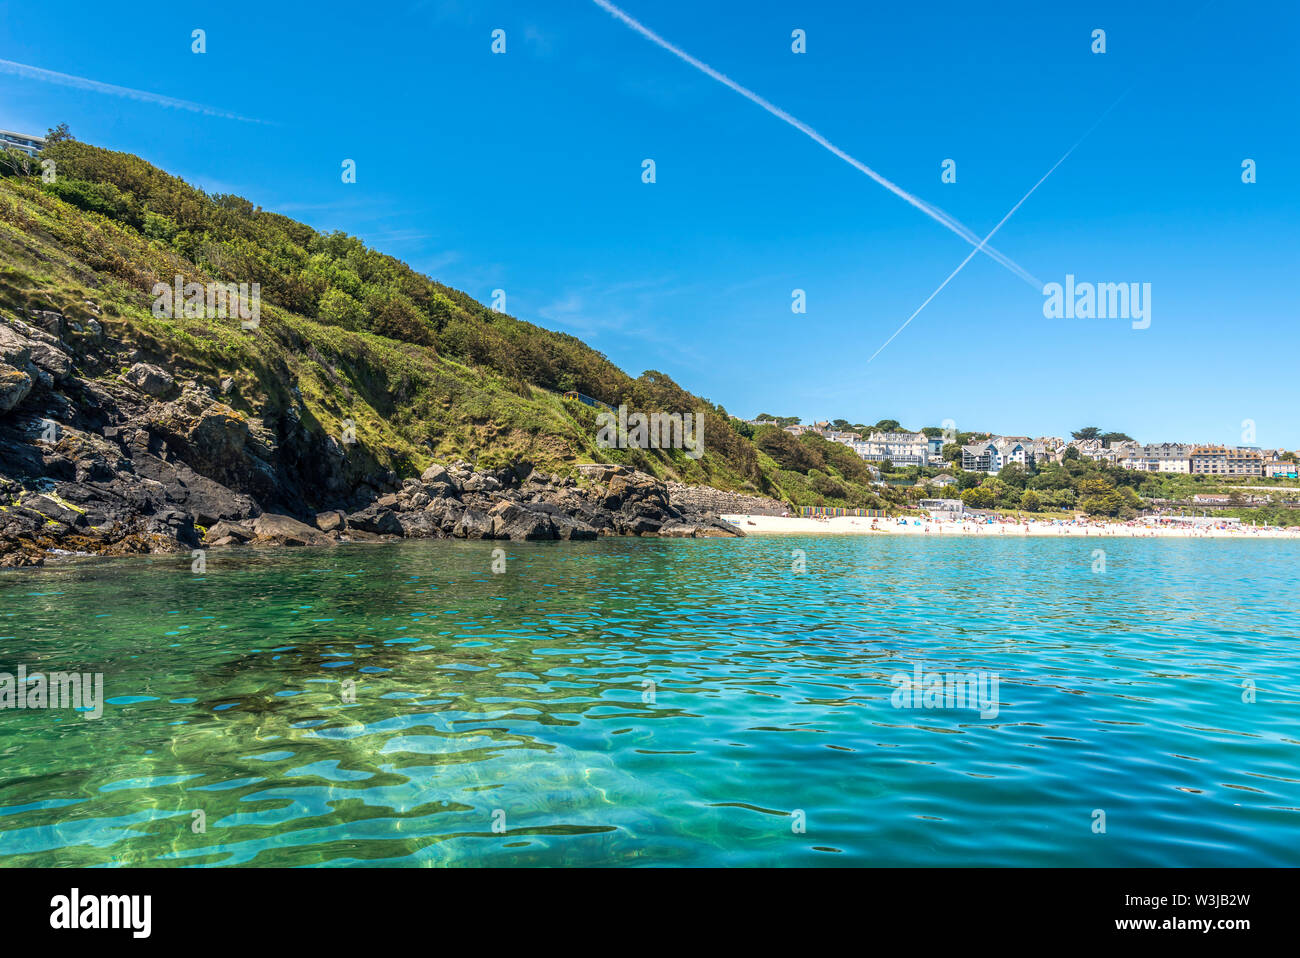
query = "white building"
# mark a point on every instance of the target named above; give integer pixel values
(993, 455)
(26, 142)
(900, 448)
(943, 508)
(1159, 457)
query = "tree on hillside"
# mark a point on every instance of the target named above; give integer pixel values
(1051, 476)
(827, 485)
(1097, 486)
(58, 134)
(845, 461)
(995, 486)
(1111, 437)
(787, 451)
(888, 425)
(17, 163)
(1087, 432)
(952, 452)
(1114, 502)
(1014, 475)
(979, 497)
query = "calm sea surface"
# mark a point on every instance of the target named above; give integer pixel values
(655, 702)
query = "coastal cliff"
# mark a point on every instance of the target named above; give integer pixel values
(151, 461)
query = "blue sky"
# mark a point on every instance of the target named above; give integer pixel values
(522, 171)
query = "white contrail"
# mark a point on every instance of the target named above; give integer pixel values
(962, 264)
(82, 83)
(933, 212)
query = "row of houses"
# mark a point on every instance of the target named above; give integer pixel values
(1186, 458)
(994, 454)
(899, 448)
(1205, 459)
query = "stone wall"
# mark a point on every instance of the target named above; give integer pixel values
(705, 499)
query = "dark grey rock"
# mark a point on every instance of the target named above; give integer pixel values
(150, 379)
(512, 521)
(473, 524)
(376, 519)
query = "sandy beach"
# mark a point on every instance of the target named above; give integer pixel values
(912, 525)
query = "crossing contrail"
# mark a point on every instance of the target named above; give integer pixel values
(962, 265)
(933, 212)
(971, 255)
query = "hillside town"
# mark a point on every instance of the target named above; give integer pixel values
(990, 455)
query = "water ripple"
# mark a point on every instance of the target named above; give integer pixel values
(661, 702)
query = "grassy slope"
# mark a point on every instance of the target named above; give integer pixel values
(409, 404)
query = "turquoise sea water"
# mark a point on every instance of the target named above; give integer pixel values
(508, 719)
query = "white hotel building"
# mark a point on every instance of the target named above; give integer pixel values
(900, 448)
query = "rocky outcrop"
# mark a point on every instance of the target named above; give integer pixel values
(287, 531)
(17, 371)
(332, 521)
(376, 519)
(104, 451)
(513, 521)
(150, 379)
(15, 384)
(473, 524)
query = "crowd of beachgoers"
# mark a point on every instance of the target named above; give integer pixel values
(983, 525)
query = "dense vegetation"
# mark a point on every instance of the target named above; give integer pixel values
(422, 370)
(1075, 484)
